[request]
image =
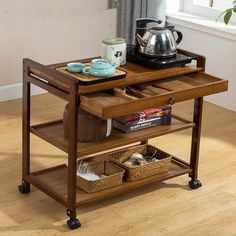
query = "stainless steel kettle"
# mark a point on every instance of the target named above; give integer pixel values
(157, 42)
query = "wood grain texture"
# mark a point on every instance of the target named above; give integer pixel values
(106, 105)
(168, 208)
(152, 88)
(56, 180)
(53, 133)
(138, 74)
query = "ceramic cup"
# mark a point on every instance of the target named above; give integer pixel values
(75, 67)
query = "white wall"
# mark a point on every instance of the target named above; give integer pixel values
(220, 57)
(50, 31)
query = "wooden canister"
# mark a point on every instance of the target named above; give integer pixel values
(90, 127)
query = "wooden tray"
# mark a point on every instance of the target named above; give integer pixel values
(88, 79)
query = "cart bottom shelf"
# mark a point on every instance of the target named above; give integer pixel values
(53, 182)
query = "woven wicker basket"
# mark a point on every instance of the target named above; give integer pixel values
(141, 171)
(114, 177)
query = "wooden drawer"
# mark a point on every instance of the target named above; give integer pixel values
(152, 94)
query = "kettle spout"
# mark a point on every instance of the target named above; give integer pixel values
(140, 40)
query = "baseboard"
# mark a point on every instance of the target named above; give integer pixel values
(14, 91)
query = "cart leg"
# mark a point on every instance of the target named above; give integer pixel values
(194, 159)
(73, 222)
(25, 186)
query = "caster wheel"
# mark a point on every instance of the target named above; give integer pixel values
(195, 184)
(73, 224)
(24, 189)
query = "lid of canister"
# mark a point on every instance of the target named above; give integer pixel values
(113, 41)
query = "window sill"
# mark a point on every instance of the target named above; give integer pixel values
(202, 24)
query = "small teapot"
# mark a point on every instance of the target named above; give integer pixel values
(100, 68)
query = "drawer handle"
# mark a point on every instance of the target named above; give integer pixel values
(171, 101)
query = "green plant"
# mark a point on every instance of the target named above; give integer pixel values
(228, 13)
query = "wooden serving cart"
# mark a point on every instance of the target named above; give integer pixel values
(172, 85)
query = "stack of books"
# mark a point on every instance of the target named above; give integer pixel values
(145, 119)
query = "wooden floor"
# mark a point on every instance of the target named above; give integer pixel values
(168, 208)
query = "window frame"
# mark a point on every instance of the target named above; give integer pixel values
(189, 7)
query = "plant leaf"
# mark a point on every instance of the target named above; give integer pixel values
(227, 16)
(222, 13)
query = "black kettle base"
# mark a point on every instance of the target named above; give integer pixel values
(159, 63)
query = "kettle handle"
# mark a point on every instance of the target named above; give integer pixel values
(142, 22)
(180, 35)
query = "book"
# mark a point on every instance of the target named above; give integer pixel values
(129, 127)
(146, 114)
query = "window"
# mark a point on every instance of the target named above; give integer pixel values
(207, 8)
(218, 4)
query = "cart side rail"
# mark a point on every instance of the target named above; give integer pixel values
(49, 75)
